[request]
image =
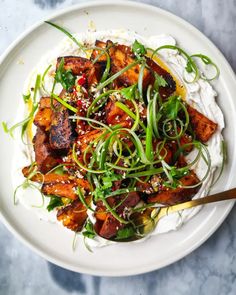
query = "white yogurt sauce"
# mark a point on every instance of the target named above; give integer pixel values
(200, 94)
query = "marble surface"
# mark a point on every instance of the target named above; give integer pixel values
(211, 269)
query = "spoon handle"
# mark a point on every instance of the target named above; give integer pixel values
(226, 195)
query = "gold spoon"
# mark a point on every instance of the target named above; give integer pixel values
(146, 221)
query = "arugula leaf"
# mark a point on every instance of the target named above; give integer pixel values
(54, 202)
(138, 49)
(89, 230)
(65, 77)
(129, 92)
(125, 233)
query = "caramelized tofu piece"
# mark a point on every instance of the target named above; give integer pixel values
(171, 85)
(78, 65)
(43, 116)
(44, 156)
(203, 127)
(170, 196)
(61, 134)
(73, 216)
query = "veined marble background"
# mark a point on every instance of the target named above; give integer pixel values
(211, 269)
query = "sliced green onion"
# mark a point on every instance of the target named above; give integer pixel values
(191, 66)
(206, 60)
(145, 173)
(116, 75)
(68, 34)
(64, 103)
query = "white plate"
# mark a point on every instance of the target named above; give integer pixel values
(54, 242)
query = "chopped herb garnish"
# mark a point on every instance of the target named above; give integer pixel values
(138, 49)
(54, 203)
(125, 233)
(65, 77)
(129, 92)
(88, 231)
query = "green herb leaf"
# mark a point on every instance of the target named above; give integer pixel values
(178, 173)
(89, 230)
(65, 77)
(129, 92)
(171, 107)
(159, 82)
(59, 170)
(125, 233)
(138, 49)
(26, 97)
(54, 202)
(109, 177)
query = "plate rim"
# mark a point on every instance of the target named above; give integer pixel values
(128, 271)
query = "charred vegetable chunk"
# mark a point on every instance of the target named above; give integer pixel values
(203, 127)
(43, 117)
(61, 134)
(73, 216)
(169, 196)
(44, 156)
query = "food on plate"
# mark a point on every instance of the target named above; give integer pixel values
(117, 132)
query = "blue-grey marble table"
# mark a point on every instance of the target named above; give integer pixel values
(211, 269)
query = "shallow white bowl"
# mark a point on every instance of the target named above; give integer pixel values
(54, 242)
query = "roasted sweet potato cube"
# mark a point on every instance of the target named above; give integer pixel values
(171, 85)
(95, 73)
(115, 115)
(170, 196)
(60, 189)
(203, 127)
(84, 140)
(46, 178)
(44, 155)
(186, 139)
(121, 56)
(78, 65)
(96, 52)
(101, 211)
(128, 201)
(43, 116)
(110, 227)
(61, 134)
(73, 216)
